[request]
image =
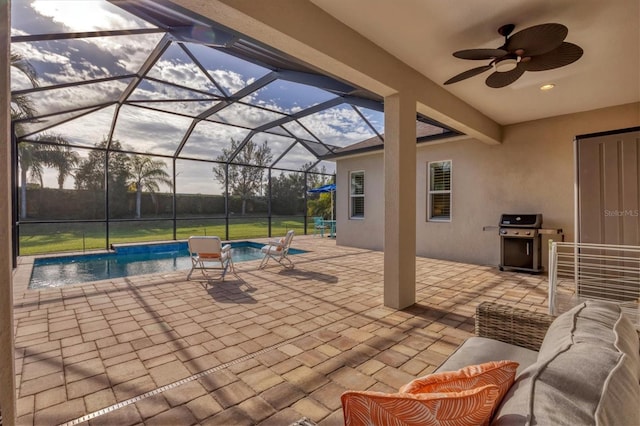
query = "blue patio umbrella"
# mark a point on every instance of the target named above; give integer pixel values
(331, 187)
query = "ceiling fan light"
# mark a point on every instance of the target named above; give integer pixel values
(505, 65)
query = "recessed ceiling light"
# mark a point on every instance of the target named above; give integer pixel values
(546, 87)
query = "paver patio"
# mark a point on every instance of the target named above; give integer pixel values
(263, 347)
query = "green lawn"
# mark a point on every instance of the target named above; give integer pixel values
(62, 237)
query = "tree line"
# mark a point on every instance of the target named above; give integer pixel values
(127, 173)
(141, 173)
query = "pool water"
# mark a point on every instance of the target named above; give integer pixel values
(126, 261)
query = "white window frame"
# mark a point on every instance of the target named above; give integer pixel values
(352, 195)
(430, 192)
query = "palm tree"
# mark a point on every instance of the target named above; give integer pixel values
(60, 156)
(21, 106)
(65, 161)
(32, 157)
(29, 156)
(146, 174)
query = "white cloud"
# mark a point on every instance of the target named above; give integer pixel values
(209, 139)
(34, 54)
(87, 130)
(180, 73)
(77, 96)
(231, 81)
(264, 103)
(87, 15)
(153, 90)
(245, 115)
(142, 130)
(130, 51)
(147, 131)
(18, 80)
(338, 126)
(64, 61)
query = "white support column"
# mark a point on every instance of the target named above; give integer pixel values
(399, 201)
(7, 369)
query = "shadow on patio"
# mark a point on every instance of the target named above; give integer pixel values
(264, 347)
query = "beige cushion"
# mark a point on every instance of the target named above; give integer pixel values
(587, 373)
(478, 350)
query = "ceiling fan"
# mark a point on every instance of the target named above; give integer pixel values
(538, 48)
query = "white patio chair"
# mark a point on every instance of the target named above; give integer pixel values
(208, 253)
(278, 250)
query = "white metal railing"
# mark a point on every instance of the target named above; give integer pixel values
(582, 271)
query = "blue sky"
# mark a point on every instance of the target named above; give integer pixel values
(146, 131)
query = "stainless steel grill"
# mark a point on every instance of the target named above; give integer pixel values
(520, 242)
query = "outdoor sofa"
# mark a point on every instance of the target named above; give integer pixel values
(581, 368)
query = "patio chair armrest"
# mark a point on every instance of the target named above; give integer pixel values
(226, 248)
(512, 325)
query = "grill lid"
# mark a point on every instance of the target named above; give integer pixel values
(521, 220)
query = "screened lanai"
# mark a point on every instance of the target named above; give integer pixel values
(139, 121)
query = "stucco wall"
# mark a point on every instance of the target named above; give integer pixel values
(531, 172)
(367, 232)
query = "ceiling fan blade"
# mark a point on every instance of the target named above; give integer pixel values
(538, 39)
(467, 74)
(502, 79)
(566, 54)
(480, 54)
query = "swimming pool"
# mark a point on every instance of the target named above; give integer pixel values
(126, 261)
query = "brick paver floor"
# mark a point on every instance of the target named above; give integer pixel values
(263, 347)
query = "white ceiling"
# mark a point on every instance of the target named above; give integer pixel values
(425, 33)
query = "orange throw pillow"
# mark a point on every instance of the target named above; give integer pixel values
(209, 255)
(499, 373)
(467, 408)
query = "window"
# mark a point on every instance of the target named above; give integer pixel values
(439, 196)
(357, 195)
